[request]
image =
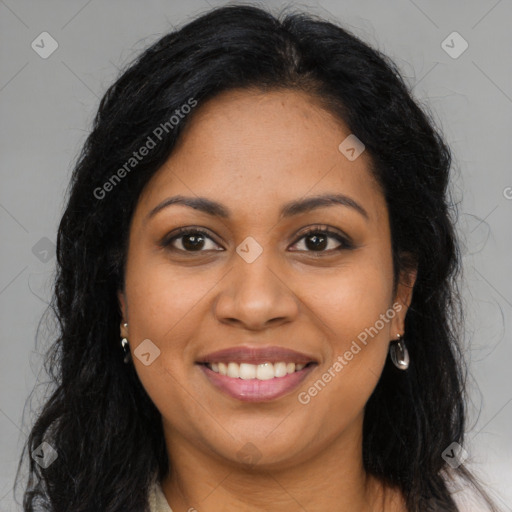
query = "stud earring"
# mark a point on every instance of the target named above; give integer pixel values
(126, 349)
(399, 353)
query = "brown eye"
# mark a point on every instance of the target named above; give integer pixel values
(318, 240)
(190, 240)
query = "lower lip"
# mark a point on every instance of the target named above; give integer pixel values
(254, 390)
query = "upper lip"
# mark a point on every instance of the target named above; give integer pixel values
(256, 355)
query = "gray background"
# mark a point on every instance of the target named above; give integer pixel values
(47, 105)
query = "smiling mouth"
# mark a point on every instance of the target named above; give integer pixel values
(263, 371)
(256, 382)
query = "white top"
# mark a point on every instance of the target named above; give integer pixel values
(156, 498)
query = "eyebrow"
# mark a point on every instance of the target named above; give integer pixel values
(289, 209)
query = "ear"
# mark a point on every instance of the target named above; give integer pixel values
(124, 313)
(402, 300)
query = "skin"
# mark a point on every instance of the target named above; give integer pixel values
(253, 152)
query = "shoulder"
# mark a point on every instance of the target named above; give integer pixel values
(156, 499)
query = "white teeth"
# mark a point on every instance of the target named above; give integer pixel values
(247, 371)
(233, 370)
(264, 371)
(280, 369)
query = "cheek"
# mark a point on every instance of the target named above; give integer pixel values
(161, 299)
(354, 306)
(353, 300)
(162, 307)
(166, 305)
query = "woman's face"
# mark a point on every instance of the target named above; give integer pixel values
(258, 280)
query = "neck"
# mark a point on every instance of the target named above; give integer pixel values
(333, 479)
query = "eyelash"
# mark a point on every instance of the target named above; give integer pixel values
(345, 242)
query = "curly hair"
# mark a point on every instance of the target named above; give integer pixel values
(107, 431)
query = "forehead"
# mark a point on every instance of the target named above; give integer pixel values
(250, 148)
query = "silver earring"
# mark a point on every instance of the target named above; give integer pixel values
(126, 350)
(399, 353)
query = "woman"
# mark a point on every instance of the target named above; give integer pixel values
(256, 286)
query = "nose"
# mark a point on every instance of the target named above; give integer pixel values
(256, 295)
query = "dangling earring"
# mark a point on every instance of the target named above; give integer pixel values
(399, 353)
(125, 346)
